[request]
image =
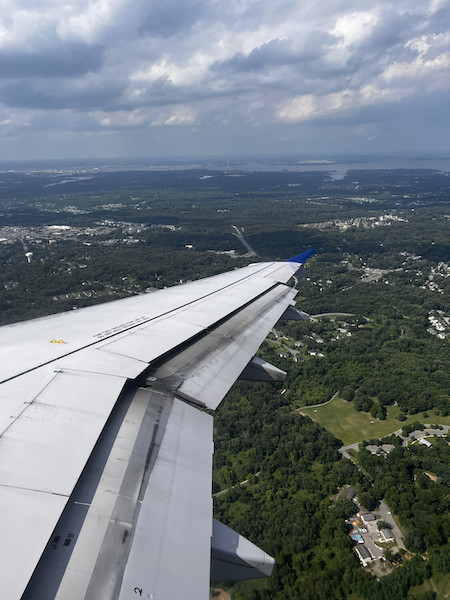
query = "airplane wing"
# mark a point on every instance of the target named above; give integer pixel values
(106, 442)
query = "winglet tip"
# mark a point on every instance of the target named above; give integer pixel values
(302, 258)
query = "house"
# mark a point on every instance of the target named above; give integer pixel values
(383, 449)
(387, 448)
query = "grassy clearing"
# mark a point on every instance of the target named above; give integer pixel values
(351, 426)
(440, 584)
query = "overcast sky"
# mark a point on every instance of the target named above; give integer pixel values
(315, 78)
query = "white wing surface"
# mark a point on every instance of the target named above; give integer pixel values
(105, 446)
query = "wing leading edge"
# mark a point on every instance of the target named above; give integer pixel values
(105, 471)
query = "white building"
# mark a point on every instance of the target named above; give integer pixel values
(387, 535)
(425, 442)
(364, 554)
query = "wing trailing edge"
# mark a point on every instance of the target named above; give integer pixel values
(107, 429)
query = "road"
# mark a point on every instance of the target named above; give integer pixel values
(332, 314)
(385, 515)
(427, 432)
(417, 434)
(239, 235)
(222, 492)
(344, 451)
(280, 344)
(321, 404)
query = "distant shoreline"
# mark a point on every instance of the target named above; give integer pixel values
(337, 167)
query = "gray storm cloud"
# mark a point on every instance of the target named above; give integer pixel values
(243, 71)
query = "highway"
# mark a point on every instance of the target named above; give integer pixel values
(238, 233)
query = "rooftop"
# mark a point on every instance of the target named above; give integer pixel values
(363, 552)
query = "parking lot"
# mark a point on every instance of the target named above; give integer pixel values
(368, 529)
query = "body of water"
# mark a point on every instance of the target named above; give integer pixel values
(337, 167)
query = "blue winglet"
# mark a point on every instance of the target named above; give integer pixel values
(302, 258)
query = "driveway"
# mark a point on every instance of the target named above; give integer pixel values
(385, 515)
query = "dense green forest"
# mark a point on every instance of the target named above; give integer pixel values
(389, 358)
(382, 264)
(292, 508)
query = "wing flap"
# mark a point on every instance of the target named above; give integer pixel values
(173, 531)
(151, 515)
(60, 427)
(95, 568)
(27, 519)
(206, 370)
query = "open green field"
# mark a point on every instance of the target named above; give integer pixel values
(440, 584)
(351, 426)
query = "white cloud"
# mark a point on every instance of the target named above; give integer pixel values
(87, 23)
(121, 118)
(436, 5)
(308, 107)
(177, 116)
(179, 74)
(423, 44)
(429, 69)
(23, 27)
(180, 115)
(354, 27)
(419, 69)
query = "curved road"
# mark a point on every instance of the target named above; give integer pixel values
(321, 404)
(332, 314)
